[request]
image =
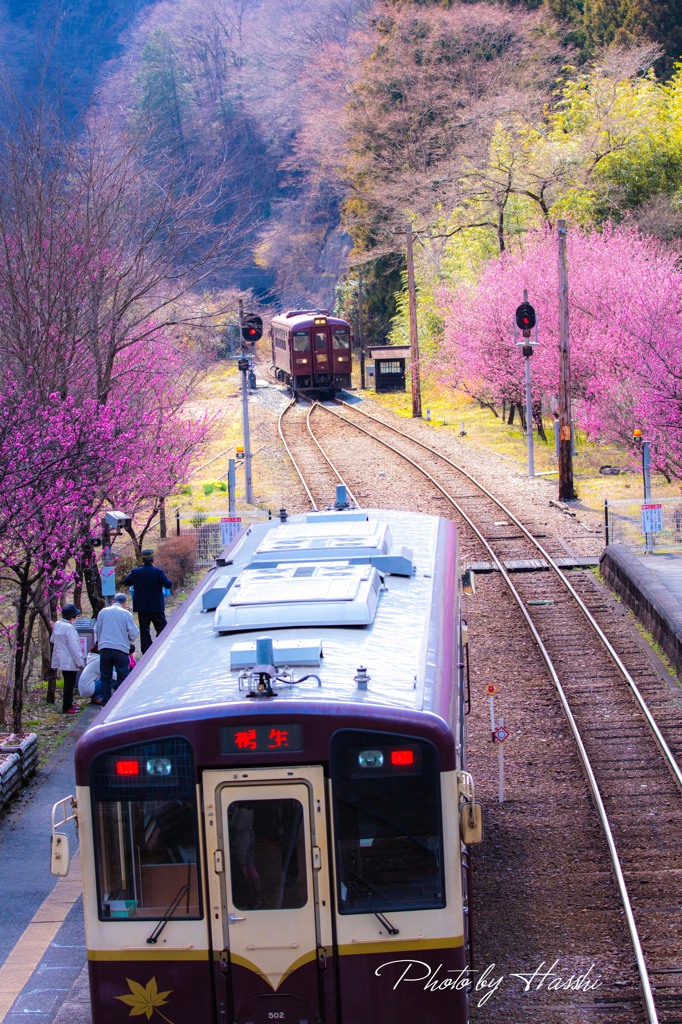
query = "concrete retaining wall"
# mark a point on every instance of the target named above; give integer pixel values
(642, 592)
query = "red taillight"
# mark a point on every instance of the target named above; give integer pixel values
(127, 767)
(402, 757)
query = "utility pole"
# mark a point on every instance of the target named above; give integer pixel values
(414, 339)
(243, 364)
(566, 489)
(107, 574)
(361, 338)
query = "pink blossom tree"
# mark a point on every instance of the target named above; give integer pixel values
(47, 451)
(96, 268)
(625, 313)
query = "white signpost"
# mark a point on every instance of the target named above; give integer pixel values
(230, 527)
(108, 577)
(652, 518)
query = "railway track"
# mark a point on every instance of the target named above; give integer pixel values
(317, 473)
(631, 764)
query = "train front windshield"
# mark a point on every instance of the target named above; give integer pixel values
(145, 824)
(340, 338)
(387, 820)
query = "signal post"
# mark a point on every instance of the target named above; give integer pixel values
(251, 328)
(526, 321)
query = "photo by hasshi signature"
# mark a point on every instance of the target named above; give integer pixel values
(550, 977)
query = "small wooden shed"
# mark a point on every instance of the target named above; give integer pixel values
(389, 367)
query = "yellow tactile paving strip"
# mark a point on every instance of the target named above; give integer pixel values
(38, 935)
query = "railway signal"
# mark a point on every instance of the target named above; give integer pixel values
(252, 328)
(525, 318)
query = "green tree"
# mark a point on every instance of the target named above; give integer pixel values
(163, 93)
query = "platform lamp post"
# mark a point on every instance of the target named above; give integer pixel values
(646, 478)
(525, 321)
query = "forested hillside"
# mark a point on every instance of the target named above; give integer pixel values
(334, 120)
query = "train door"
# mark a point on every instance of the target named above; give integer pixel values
(321, 351)
(270, 900)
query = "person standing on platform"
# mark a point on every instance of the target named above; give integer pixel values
(148, 584)
(67, 656)
(115, 632)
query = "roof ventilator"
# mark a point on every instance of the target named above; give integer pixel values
(260, 678)
(361, 678)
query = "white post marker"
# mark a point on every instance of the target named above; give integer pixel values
(500, 734)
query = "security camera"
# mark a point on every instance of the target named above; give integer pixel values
(117, 520)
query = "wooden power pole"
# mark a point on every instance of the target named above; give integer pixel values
(414, 340)
(566, 490)
(361, 338)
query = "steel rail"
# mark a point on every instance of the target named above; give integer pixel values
(650, 720)
(294, 463)
(288, 451)
(324, 455)
(645, 984)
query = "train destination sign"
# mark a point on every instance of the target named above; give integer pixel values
(244, 738)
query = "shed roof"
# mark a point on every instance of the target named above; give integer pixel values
(390, 352)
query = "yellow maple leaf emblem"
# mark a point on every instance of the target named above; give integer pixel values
(145, 1000)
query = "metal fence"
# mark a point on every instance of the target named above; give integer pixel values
(213, 530)
(624, 525)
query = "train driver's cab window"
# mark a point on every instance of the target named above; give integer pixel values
(340, 339)
(321, 345)
(301, 341)
(145, 821)
(387, 821)
(267, 854)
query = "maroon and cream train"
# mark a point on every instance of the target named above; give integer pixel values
(311, 350)
(274, 808)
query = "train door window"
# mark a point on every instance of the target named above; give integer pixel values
(301, 341)
(387, 820)
(267, 854)
(321, 346)
(145, 826)
(340, 338)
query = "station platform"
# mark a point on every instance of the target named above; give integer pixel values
(651, 586)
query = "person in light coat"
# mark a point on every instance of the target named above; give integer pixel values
(67, 656)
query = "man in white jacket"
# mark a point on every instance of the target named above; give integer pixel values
(67, 656)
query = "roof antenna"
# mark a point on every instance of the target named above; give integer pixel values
(264, 670)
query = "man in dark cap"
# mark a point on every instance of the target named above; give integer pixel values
(148, 598)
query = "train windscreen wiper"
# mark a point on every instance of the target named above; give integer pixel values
(177, 900)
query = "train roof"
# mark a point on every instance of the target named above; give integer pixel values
(296, 319)
(336, 592)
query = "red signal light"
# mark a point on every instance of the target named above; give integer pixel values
(127, 767)
(525, 316)
(402, 758)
